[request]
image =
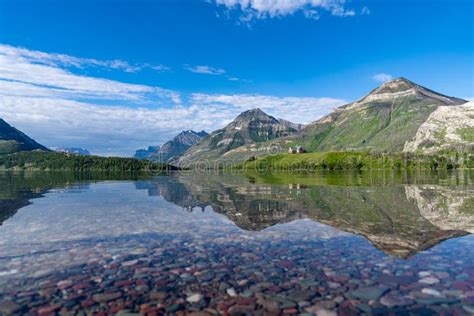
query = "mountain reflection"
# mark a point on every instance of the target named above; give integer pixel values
(19, 188)
(399, 215)
(399, 219)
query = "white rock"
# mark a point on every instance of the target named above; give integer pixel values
(231, 292)
(442, 128)
(431, 292)
(325, 312)
(194, 298)
(429, 280)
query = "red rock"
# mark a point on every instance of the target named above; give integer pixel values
(87, 303)
(246, 300)
(124, 283)
(161, 283)
(290, 311)
(461, 285)
(116, 309)
(62, 285)
(106, 297)
(48, 310)
(149, 310)
(81, 286)
(348, 308)
(140, 282)
(285, 264)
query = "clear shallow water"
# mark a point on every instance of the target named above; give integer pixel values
(334, 243)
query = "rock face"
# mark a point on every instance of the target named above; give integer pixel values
(249, 128)
(384, 120)
(172, 149)
(13, 140)
(448, 127)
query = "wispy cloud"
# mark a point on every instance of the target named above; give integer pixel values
(382, 77)
(208, 70)
(33, 70)
(203, 69)
(60, 108)
(62, 60)
(258, 9)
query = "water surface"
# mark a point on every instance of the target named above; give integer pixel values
(326, 243)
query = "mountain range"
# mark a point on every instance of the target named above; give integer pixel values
(173, 148)
(397, 116)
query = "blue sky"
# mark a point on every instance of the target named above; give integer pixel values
(114, 76)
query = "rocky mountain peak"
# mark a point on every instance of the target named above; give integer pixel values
(402, 87)
(189, 137)
(253, 115)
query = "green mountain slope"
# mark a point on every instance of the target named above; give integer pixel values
(13, 140)
(384, 120)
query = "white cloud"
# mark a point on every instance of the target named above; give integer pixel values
(62, 60)
(120, 130)
(42, 71)
(203, 69)
(208, 70)
(261, 9)
(105, 130)
(59, 108)
(365, 11)
(296, 109)
(382, 77)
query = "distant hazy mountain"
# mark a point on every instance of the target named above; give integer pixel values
(145, 153)
(13, 140)
(172, 149)
(249, 128)
(72, 150)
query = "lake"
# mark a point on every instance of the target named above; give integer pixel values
(207, 244)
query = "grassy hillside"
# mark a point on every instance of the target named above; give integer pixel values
(359, 161)
(40, 160)
(380, 125)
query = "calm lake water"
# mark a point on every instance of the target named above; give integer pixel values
(325, 244)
